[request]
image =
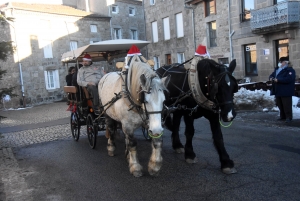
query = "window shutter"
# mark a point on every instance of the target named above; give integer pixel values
(154, 32)
(46, 80)
(166, 28)
(56, 79)
(179, 25)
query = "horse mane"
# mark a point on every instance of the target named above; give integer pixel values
(204, 66)
(136, 69)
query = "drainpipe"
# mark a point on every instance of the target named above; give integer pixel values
(193, 23)
(87, 6)
(147, 56)
(110, 15)
(19, 63)
(230, 32)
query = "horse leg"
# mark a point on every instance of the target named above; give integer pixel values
(156, 159)
(111, 126)
(176, 144)
(227, 164)
(189, 154)
(134, 166)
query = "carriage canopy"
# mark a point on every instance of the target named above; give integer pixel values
(103, 51)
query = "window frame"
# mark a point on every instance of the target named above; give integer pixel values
(52, 78)
(180, 57)
(93, 28)
(152, 2)
(179, 25)
(154, 32)
(115, 33)
(206, 11)
(245, 13)
(168, 59)
(47, 48)
(133, 9)
(166, 26)
(117, 9)
(156, 62)
(249, 64)
(132, 31)
(73, 45)
(212, 34)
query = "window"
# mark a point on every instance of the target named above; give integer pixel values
(278, 1)
(212, 28)
(154, 32)
(73, 45)
(210, 7)
(115, 9)
(156, 63)
(166, 28)
(180, 58)
(168, 59)
(117, 33)
(131, 11)
(52, 79)
(93, 28)
(47, 47)
(133, 34)
(247, 5)
(179, 25)
(250, 59)
(152, 2)
(282, 48)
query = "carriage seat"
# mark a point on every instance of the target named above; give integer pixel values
(72, 92)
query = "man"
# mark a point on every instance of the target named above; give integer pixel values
(284, 88)
(89, 77)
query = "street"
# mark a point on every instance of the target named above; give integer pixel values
(41, 161)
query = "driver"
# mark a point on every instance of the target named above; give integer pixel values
(89, 76)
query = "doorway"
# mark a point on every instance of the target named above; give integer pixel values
(282, 49)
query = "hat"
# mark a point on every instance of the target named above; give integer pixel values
(134, 50)
(284, 59)
(201, 51)
(87, 57)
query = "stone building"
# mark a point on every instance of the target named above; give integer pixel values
(41, 34)
(255, 33)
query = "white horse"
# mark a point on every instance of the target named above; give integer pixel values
(132, 112)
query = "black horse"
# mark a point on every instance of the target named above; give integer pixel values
(218, 86)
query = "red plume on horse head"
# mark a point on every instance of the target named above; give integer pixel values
(134, 50)
(201, 51)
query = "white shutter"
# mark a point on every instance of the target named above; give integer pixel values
(156, 63)
(166, 28)
(56, 79)
(73, 45)
(47, 49)
(179, 25)
(154, 32)
(46, 80)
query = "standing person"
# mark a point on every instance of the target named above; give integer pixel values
(283, 87)
(70, 75)
(89, 77)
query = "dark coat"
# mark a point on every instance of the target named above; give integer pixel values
(285, 85)
(69, 79)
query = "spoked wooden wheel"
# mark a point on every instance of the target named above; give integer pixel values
(75, 126)
(92, 131)
(145, 133)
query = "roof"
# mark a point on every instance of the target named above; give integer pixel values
(52, 8)
(104, 50)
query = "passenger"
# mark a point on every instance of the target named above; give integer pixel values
(89, 77)
(70, 75)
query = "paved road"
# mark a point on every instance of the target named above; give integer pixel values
(40, 161)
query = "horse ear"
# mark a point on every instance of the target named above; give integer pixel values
(143, 79)
(232, 65)
(166, 80)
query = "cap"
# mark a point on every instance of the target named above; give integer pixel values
(134, 50)
(87, 57)
(284, 59)
(201, 51)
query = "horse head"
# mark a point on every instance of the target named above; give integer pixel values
(217, 80)
(152, 96)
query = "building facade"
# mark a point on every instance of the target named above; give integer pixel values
(41, 34)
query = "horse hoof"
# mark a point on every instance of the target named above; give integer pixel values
(153, 173)
(137, 173)
(229, 170)
(179, 150)
(191, 161)
(110, 153)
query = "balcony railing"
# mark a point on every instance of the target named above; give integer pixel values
(282, 13)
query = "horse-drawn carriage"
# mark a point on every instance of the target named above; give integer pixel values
(81, 104)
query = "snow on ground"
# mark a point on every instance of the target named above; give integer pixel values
(261, 100)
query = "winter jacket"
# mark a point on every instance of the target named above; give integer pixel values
(88, 74)
(285, 85)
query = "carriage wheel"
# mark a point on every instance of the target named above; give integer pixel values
(75, 125)
(92, 131)
(145, 133)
